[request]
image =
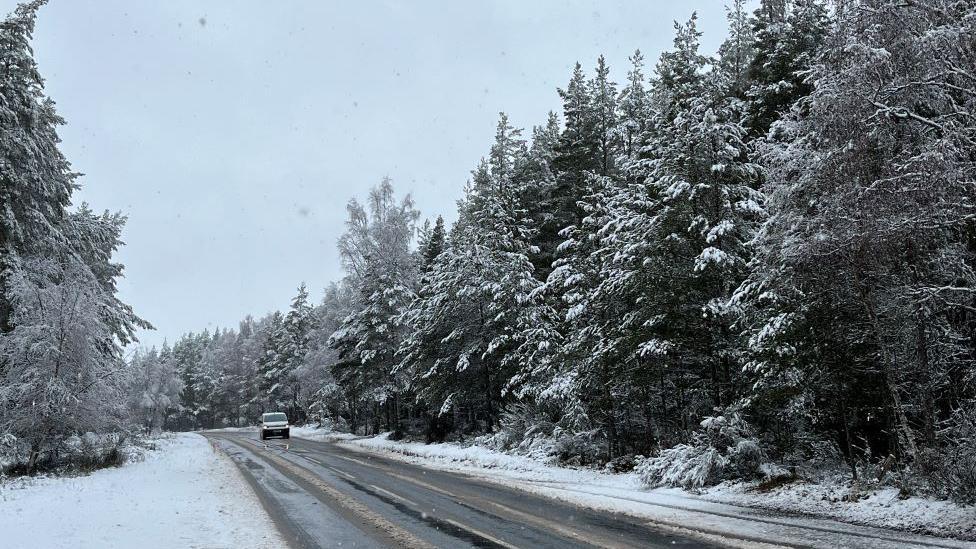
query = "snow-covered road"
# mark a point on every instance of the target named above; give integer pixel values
(184, 495)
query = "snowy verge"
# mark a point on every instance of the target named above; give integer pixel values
(182, 495)
(727, 510)
(879, 507)
(311, 432)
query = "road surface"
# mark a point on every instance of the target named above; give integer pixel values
(323, 495)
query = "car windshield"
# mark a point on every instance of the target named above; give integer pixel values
(275, 417)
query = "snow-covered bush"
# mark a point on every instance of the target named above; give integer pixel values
(91, 451)
(725, 448)
(62, 370)
(85, 452)
(951, 471)
(542, 432)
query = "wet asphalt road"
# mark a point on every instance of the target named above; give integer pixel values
(320, 494)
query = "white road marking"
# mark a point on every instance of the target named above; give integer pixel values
(547, 524)
(354, 460)
(392, 495)
(423, 484)
(343, 473)
(479, 533)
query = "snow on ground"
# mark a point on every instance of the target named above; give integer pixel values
(723, 510)
(310, 432)
(183, 495)
(880, 507)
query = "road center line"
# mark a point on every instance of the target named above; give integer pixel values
(423, 484)
(337, 471)
(479, 533)
(392, 495)
(530, 519)
(354, 460)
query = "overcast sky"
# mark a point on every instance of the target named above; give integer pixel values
(232, 133)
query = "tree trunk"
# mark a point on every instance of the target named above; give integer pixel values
(928, 412)
(488, 398)
(847, 440)
(35, 454)
(889, 367)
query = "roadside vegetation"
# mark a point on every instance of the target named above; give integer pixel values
(62, 328)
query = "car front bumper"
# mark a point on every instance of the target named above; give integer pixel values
(279, 432)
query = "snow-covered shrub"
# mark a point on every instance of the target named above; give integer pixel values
(543, 432)
(578, 448)
(338, 426)
(723, 449)
(86, 452)
(951, 471)
(523, 429)
(62, 369)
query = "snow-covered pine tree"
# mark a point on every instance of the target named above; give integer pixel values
(269, 384)
(573, 154)
(565, 328)
(675, 246)
(36, 180)
(284, 357)
(788, 35)
(327, 400)
(466, 321)
(738, 50)
(540, 191)
(433, 244)
(298, 323)
(635, 110)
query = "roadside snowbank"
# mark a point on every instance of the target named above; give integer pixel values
(881, 507)
(183, 495)
(311, 432)
(723, 510)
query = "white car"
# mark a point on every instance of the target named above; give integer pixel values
(274, 424)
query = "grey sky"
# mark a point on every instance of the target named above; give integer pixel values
(233, 133)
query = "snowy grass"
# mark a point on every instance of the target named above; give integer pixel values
(76, 454)
(729, 508)
(182, 495)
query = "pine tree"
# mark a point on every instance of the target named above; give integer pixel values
(433, 244)
(465, 323)
(635, 109)
(674, 247)
(788, 35)
(737, 52)
(269, 383)
(575, 153)
(540, 191)
(61, 323)
(36, 180)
